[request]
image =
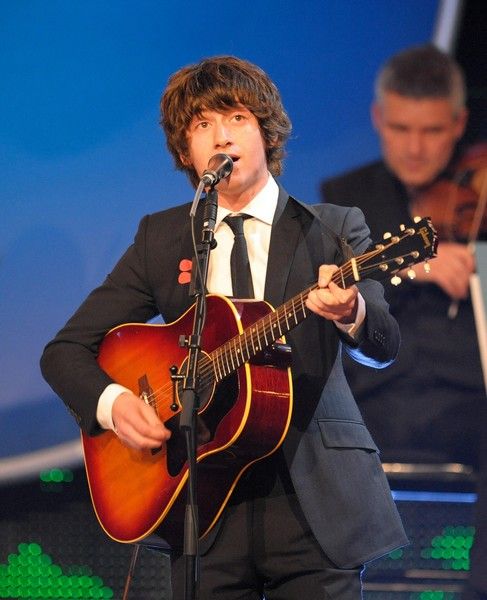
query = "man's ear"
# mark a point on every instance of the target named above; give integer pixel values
(461, 123)
(184, 160)
(376, 115)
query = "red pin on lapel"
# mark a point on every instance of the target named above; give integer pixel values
(185, 267)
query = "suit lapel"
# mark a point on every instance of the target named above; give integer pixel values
(181, 293)
(285, 237)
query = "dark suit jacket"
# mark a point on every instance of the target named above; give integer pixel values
(331, 457)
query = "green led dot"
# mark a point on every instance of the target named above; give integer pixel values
(459, 542)
(68, 476)
(55, 570)
(14, 571)
(45, 476)
(107, 592)
(35, 549)
(23, 549)
(45, 559)
(85, 581)
(56, 475)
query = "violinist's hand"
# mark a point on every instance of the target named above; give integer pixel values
(136, 423)
(331, 301)
(450, 270)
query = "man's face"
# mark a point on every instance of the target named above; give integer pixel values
(235, 132)
(417, 135)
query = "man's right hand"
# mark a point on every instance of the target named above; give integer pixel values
(450, 270)
(137, 424)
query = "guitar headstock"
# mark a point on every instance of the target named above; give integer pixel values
(414, 243)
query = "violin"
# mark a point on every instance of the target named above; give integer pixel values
(457, 203)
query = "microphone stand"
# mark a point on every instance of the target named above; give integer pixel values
(190, 397)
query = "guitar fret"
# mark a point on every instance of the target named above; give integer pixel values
(264, 332)
(268, 326)
(245, 348)
(227, 364)
(259, 337)
(232, 354)
(218, 361)
(278, 323)
(285, 318)
(240, 349)
(237, 353)
(296, 320)
(252, 340)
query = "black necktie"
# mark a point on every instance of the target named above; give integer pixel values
(239, 259)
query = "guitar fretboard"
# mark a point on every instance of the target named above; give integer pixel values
(388, 257)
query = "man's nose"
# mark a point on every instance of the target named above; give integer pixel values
(222, 137)
(415, 143)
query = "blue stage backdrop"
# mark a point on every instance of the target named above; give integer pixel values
(82, 156)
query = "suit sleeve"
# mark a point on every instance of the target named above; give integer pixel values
(378, 341)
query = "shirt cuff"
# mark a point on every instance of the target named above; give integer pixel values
(352, 328)
(105, 404)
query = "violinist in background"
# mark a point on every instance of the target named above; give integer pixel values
(435, 386)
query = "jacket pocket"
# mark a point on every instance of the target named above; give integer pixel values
(346, 434)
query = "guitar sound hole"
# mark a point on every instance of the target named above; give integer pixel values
(212, 413)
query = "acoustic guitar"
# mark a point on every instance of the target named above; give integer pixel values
(245, 396)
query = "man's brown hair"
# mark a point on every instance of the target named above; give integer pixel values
(221, 83)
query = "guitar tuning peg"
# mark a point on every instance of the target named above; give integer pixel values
(396, 280)
(416, 219)
(402, 227)
(387, 235)
(411, 274)
(427, 267)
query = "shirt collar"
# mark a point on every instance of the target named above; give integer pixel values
(262, 206)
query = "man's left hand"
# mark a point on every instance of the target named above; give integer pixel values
(330, 300)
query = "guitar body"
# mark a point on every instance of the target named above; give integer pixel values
(241, 420)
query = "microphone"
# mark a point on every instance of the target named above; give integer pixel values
(219, 167)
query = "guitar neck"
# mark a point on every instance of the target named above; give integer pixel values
(413, 244)
(261, 334)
